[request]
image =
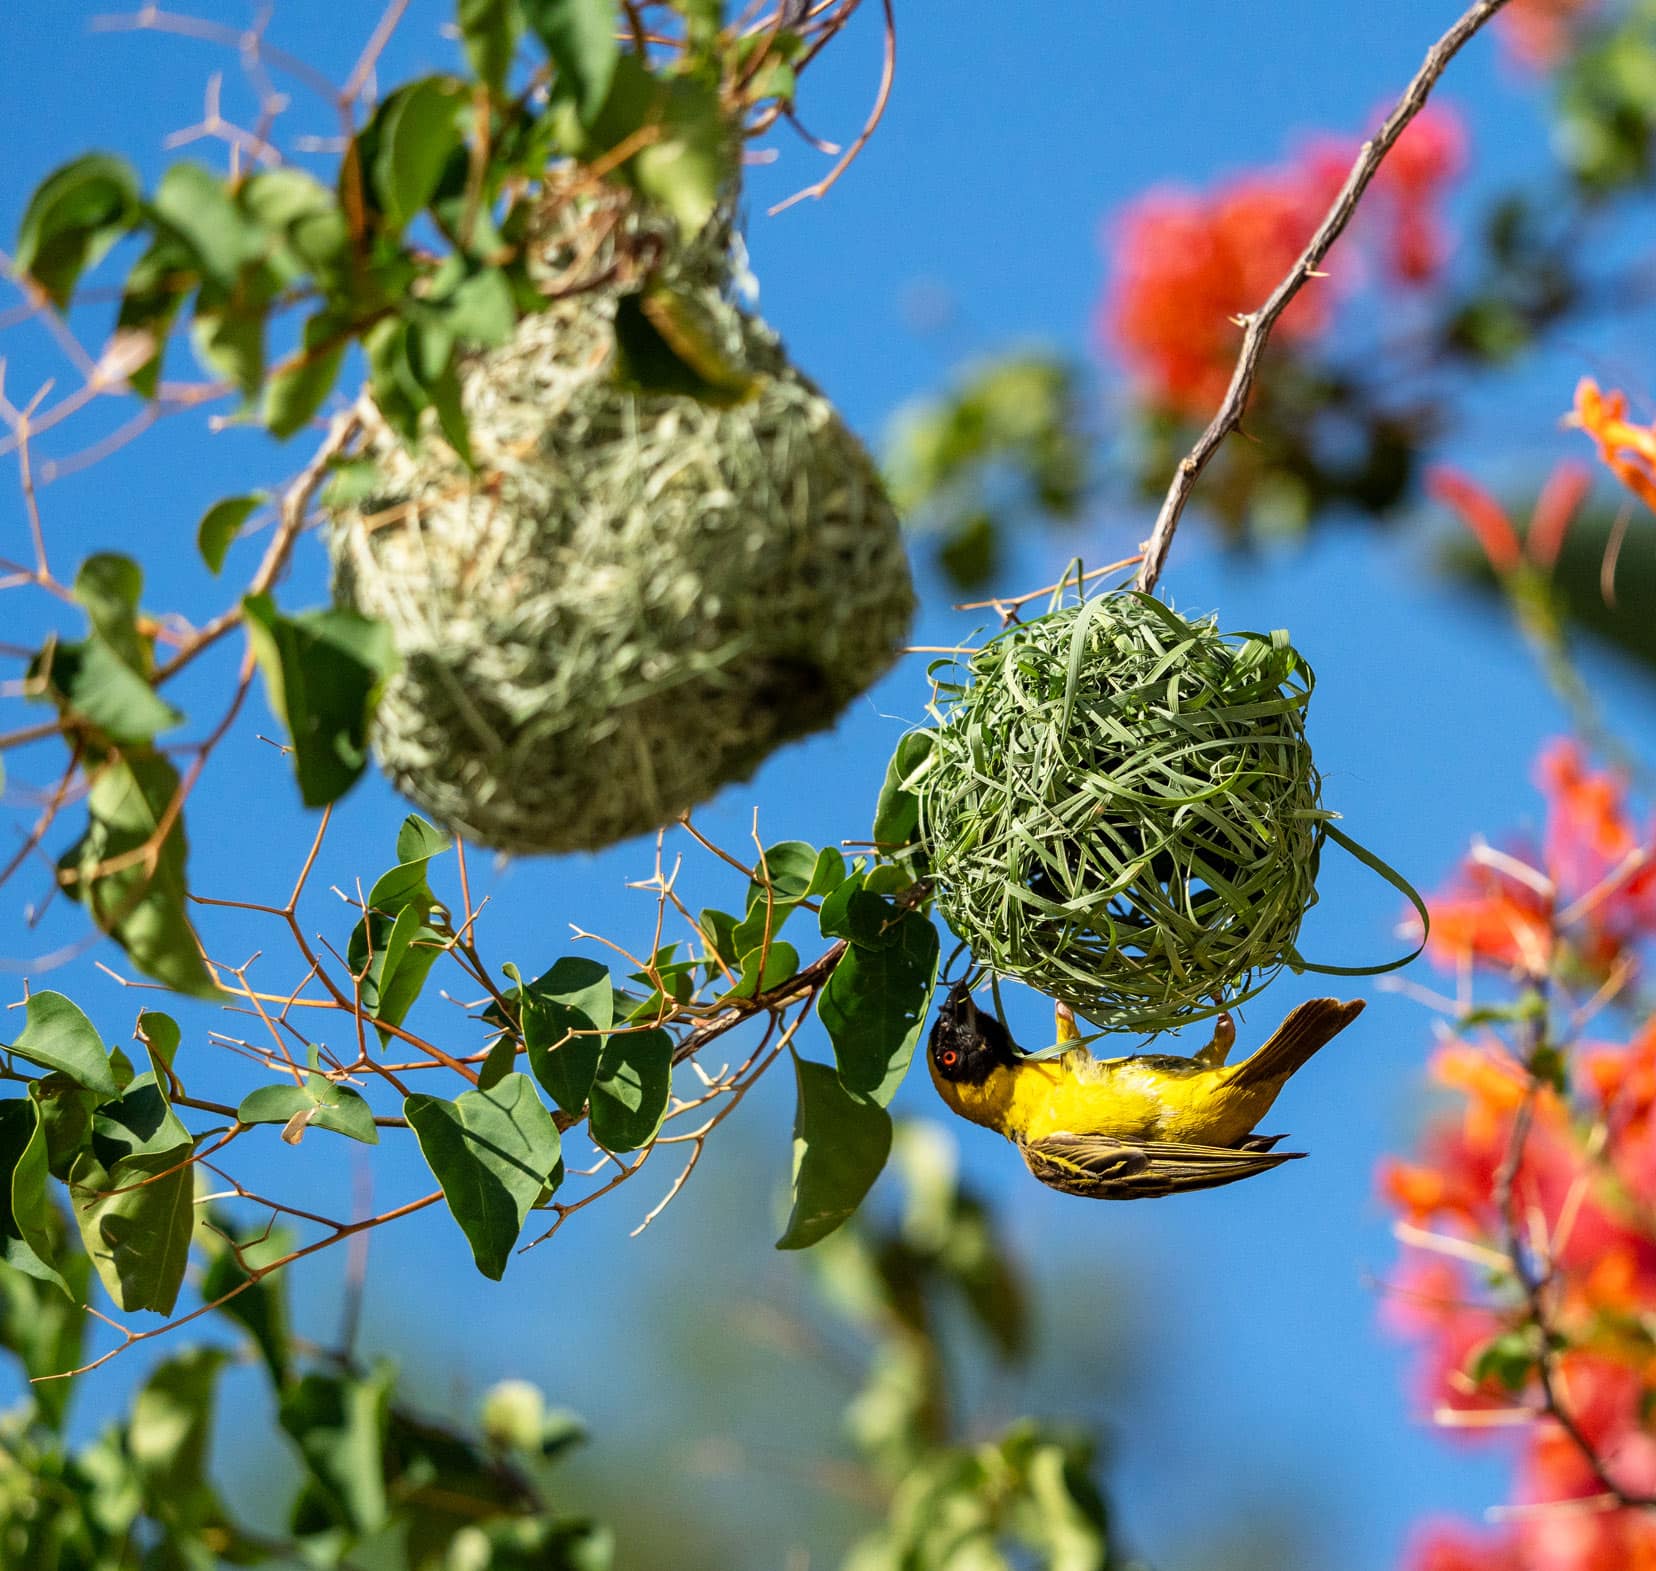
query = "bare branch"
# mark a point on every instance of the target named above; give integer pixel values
(1259, 324)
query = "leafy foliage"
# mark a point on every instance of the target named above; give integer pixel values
(1006, 447)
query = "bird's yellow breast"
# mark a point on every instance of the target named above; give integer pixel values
(1127, 1098)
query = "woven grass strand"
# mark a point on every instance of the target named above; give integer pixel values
(1121, 809)
(633, 600)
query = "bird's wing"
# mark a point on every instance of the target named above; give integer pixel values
(1102, 1168)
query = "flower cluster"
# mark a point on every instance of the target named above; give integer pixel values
(1628, 450)
(1529, 1210)
(1185, 264)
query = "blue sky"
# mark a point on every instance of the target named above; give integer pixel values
(1258, 1387)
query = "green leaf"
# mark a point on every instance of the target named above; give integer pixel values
(221, 523)
(482, 310)
(352, 480)
(874, 1008)
(576, 995)
(196, 207)
(417, 841)
(1508, 1360)
(57, 1034)
(26, 1240)
(95, 686)
(580, 36)
(897, 814)
(299, 387)
(105, 683)
(629, 1095)
(339, 1424)
(440, 381)
(718, 928)
(171, 1425)
(261, 1308)
(399, 972)
(65, 1119)
(157, 285)
(133, 1198)
(397, 389)
(840, 1145)
(394, 946)
(796, 872)
(140, 906)
(46, 1330)
(160, 1034)
(855, 912)
(73, 217)
(489, 29)
(139, 1130)
(764, 968)
(492, 1152)
(324, 671)
(318, 1101)
(409, 140)
(306, 219)
(110, 587)
(228, 335)
(500, 1061)
(694, 162)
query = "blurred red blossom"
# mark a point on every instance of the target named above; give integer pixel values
(1411, 184)
(1185, 265)
(1562, 495)
(1539, 33)
(1528, 1209)
(1448, 1546)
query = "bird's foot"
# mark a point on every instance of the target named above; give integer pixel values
(1213, 1056)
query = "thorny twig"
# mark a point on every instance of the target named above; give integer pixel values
(1258, 325)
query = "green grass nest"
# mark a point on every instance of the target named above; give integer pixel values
(1120, 808)
(634, 599)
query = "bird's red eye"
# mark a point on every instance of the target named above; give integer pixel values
(950, 1059)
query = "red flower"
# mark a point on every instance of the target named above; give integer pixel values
(1410, 184)
(1186, 265)
(1539, 33)
(1448, 1546)
(1550, 519)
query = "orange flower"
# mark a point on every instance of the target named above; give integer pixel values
(1628, 450)
(1498, 911)
(1489, 917)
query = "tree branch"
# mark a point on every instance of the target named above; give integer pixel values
(1259, 324)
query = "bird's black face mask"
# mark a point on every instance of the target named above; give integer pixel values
(968, 1042)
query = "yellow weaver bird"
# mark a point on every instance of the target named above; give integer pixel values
(1126, 1128)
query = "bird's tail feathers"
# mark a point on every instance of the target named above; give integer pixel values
(1309, 1026)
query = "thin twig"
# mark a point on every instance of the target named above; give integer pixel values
(1260, 323)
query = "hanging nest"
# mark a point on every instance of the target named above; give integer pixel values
(1120, 808)
(635, 597)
